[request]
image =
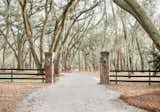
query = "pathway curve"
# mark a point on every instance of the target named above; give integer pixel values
(75, 93)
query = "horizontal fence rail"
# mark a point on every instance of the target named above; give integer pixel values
(134, 70)
(132, 76)
(149, 77)
(22, 69)
(13, 74)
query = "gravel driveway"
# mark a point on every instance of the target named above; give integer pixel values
(75, 93)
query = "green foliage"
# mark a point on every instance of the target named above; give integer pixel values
(156, 59)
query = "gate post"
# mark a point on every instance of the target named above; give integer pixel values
(56, 64)
(48, 67)
(104, 68)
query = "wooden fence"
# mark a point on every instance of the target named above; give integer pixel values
(13, 74)
(115, 77)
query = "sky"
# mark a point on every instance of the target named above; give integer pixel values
(158, 6)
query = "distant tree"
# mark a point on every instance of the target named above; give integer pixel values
(134, 8)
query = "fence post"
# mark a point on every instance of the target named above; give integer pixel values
(104, 68)
(116, 76)
(11, 75)
(41, 72)
(48, 67)
(149, 77)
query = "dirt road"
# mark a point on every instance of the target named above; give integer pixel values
(75, 93)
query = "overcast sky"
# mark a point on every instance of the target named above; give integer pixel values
(158, 5)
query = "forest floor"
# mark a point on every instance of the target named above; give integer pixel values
(136, 94)
(140, 95)
(75, 92)
(13, 93)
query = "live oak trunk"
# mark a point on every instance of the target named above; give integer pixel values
(140, 54)
(29, 32)
(139, 13)
(44, 26)
(4, 57)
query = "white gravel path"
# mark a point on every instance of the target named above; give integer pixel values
(75, 93)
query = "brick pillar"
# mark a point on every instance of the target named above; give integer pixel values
(48, 67)
(104, 68)
(56, 64)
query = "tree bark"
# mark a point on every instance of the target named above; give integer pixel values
(140, 54)
(4, 57)
(47, 12)
(20, 55)
(29, 32)
(59, 29)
